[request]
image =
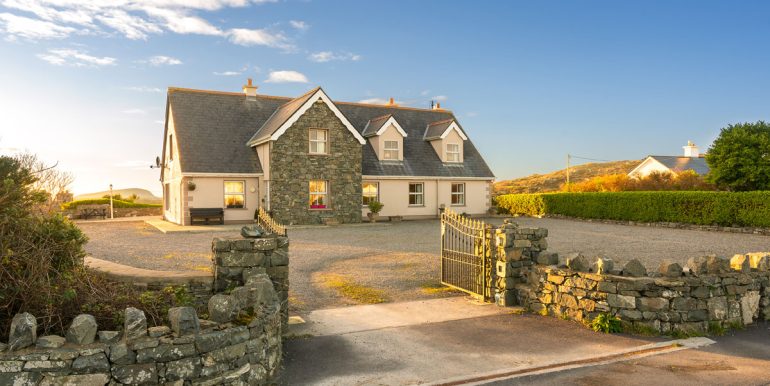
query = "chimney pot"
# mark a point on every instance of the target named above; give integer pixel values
(691, 150)
(249, 81)
(250, 89)
(437, 106)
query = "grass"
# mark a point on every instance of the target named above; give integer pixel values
(433, 288)
(551, 182)
(352, 290)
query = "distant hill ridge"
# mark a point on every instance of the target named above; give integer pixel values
(552, 182)
(145, 196)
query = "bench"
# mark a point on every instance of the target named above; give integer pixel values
(205, 214)
(87, 211)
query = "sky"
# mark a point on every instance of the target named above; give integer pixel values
(83, 83)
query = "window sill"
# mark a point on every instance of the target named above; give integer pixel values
(457, 205)
(236, 208)
(317, 153)
(319, 209)
(416, 206)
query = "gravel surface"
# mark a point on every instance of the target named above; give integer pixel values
(399, 258)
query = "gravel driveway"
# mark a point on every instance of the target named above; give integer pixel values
(400, 259)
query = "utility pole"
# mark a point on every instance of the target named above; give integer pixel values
(568, 159)
(111, 211)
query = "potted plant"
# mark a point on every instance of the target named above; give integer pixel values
(374, 208)
(190, 185)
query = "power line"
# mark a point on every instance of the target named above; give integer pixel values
(590, 159)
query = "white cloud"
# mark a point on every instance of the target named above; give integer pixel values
(258, 37)
(286, 77)
(439, 98)
(144, 89)
(76, 58)
(133, 164)
(424, 92)
(162, 60)
(299, 24)
(133, 19)
(18, 26)
(326, 56)
(134, 112)
(227, 73)
(379, 101)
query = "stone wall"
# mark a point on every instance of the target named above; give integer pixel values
(239, 344)
(236, 259)
(292, 168)
(708, 293)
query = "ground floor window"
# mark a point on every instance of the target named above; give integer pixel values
(167, 196)
(458, 194)
(235, 194)
(318, 193)
(371, 192)
(416, 194)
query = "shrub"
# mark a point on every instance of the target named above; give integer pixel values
(607, 324)
(115, 203)
(686, 180)
(375, 206)
(700, 208)
(738, 158)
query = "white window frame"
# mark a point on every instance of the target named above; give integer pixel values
(386, 150)
(420, 194)
(242, 193)
(455, 155)
(316, 141)
(324, 193)
(377, 192)
(460, 194)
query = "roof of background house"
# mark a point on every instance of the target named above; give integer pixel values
(213, 129)
(678, 164)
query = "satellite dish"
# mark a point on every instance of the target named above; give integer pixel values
(157, 162)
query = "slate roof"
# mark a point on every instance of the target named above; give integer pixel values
(435, 129)
(679, 164)
(214, 127)
(374, 124)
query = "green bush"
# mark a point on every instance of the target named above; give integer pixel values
(700, 208)
(607, 324)
(115, 203)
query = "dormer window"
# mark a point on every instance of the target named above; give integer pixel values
(390, 151)
(452, 152)
(319, 139)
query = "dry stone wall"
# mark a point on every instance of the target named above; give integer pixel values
(239, 343)
(705, 293)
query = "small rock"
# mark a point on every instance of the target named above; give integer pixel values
(634, 268)
(222, 308)
(717, 264)
(184, 320)
(23, 331)
(158, 331)
(121, 354)
(82, 330)
(50, 341)
(669, 268)
(108, 337)
(740, 263)
(548, 258)
(135, 324)
(577, 262)
(603, 265)
(3, 347)
(96, 363)
(697, 265)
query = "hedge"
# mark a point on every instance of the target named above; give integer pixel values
(115, 204)
(701, 207)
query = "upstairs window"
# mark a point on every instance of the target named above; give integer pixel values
(171, 147)
(416, 194)
(458, 194)
(319, 141)
(318, 194)
(452, 152)
(391, 150)
(370, 192)
(235, 194)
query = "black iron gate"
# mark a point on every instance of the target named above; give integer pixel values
(466, 262)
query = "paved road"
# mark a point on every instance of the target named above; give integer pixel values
(399, 258)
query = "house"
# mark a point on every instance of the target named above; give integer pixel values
(692, 160)
(310, 158)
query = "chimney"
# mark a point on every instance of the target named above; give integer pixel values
(437, 106)
(691, 150)
(249, 89)
(391, 102)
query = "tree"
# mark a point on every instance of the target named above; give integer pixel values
(740, 157)
(48, 179)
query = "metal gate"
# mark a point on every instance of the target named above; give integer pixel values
(466, 262)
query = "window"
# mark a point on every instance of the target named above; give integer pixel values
(319, 139)
(318, 194)
(171, 147)
(167, 196)
(235, 194)
(391, 150)
(370, 192)
(416, 194)
(452, 152)
(458, 194)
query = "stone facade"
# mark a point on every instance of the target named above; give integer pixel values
(240, 344)
(292, 168)
(708, 293)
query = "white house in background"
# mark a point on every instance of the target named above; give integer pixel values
(692, 160)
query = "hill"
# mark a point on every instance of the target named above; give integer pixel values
(552, 182)
(145, 196)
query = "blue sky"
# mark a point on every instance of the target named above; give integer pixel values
(84, 84)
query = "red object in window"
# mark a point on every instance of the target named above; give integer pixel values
(317, 206)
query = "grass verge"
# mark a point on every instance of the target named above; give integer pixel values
(352, 290)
